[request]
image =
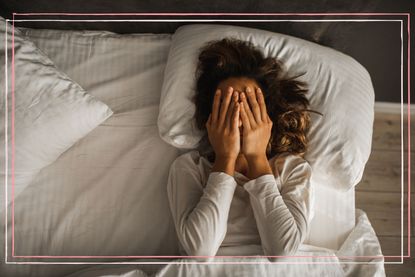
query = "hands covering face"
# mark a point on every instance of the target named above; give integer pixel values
(222, 125)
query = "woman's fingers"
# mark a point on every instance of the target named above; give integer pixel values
(215, 106)
(252, 108)
(235, 117)
(262, 105)
(247, 110)
(209, 121)
(230, 112)
(256, 111)
(244, 117)
(224, 106)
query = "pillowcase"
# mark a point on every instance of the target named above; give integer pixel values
(51, 112)
(339, 87)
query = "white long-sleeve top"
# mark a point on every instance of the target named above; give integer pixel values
(218, 214)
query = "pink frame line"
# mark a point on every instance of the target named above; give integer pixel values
(13, 145)
(204, 257)
(409, 137)
(210, 14)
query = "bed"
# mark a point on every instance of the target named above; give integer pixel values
(105, 196)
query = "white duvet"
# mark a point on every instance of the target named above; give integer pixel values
(107, 194)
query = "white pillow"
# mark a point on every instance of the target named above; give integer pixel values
(339, 87)
(51, 112)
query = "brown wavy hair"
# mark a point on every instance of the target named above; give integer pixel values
(285, 99)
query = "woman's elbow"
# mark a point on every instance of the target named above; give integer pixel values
(283, 250)
(281, 254)
(199, 245)
(202, 252)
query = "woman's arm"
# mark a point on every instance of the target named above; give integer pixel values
(200, 214)
(282, 215)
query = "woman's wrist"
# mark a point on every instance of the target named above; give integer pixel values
(224, 164)
(258, 165)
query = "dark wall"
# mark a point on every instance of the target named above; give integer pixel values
(376, 45)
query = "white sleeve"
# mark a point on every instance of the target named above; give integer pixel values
(282, 216)
(200, 214)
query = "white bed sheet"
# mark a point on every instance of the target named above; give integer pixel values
(107, 194)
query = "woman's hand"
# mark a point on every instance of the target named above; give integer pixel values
(256, 133)
(256, 124)
(222, 125)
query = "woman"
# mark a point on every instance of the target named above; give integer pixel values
(246, 190)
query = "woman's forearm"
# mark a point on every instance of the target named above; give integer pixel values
(200, 211)
(282, 213)
(258, 165)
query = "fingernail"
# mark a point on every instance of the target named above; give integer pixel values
(242, 95)
(217, 92)
(248, 89)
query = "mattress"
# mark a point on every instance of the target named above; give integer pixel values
(106, 196)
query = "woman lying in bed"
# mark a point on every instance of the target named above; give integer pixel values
(246, 191)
